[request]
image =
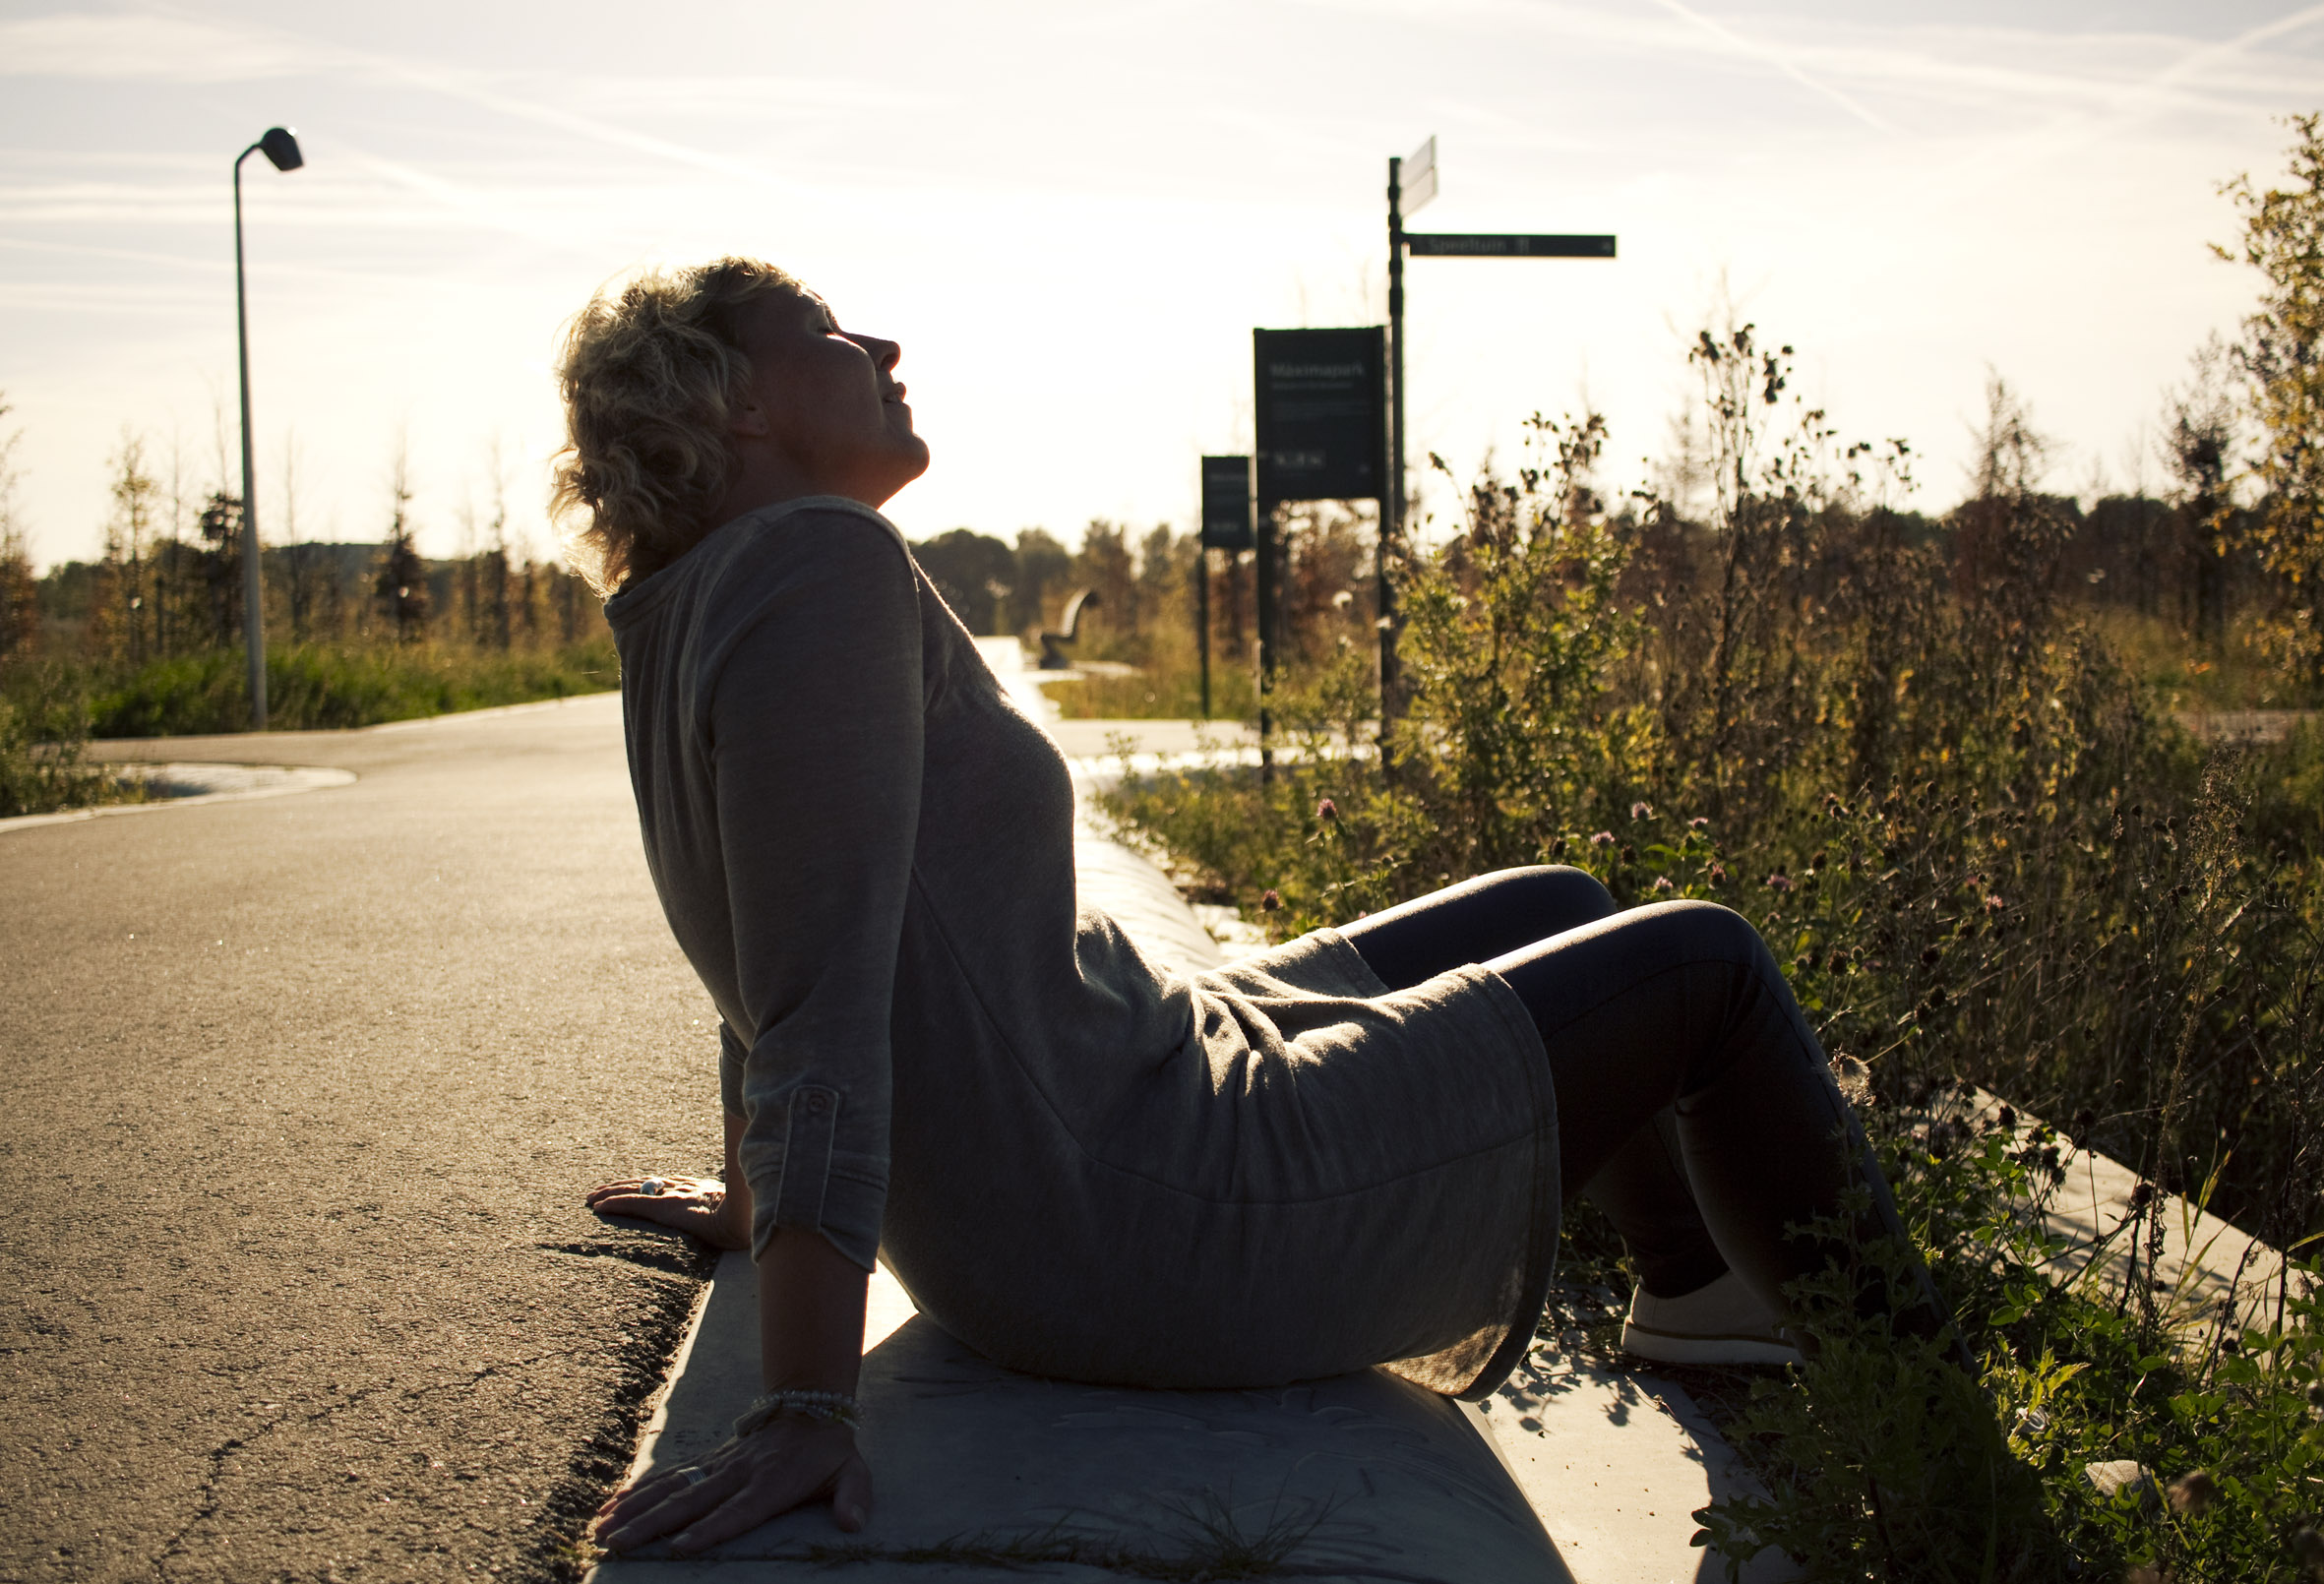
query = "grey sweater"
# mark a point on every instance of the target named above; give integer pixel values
(1075, 1162)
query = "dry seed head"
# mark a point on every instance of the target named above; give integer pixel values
(1854, 1077)
(2193, 1491)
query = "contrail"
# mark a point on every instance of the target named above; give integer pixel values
(2197, 59)
(1762, 52)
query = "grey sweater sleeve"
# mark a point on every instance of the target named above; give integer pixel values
(814, 726)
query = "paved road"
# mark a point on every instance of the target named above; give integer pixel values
(301, 1095)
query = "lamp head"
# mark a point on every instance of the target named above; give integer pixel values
(280, 146)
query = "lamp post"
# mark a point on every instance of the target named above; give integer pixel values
(281, 149)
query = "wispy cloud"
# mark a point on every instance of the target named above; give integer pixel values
(1780, 60)
(147, 47)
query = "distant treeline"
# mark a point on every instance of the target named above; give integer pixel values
(170, 582)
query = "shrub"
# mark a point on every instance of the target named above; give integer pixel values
(44, 738)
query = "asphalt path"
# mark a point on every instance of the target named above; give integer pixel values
(302, 1095)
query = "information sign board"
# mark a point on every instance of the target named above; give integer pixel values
(1452, 245)
(1322, 411)
(1226, 502)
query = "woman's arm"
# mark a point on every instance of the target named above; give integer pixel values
(813, 730)
(811, 1338)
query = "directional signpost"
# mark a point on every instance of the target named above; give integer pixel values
(1411, 183)
(1226, 526)
(1316, 396)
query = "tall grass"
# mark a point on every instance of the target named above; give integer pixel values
(320, 686)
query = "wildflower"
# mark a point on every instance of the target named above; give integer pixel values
(1698, 822)
(1327, 811)
(1629, 854)
(1779, 882)
(2193, 1491)
(1273, 902)
(1641, 811)
(1718, 875)
(1993, 903)
(1604, 839)
(1662, 883)
(1854, 1077)
(1817, 861)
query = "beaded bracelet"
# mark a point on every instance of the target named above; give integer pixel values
(823, 1407)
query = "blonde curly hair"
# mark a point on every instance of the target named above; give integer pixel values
(649, 375)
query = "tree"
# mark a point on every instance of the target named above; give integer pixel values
(130, 533)
(20, 611)
(401, 588)
(2282, 358)
(1041, 564)
(2198, 446)
(973, 572)
(221, 529)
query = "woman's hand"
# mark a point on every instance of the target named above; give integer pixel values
(743, 1484)
(699, 1206)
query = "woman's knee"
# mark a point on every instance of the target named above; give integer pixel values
(1549, 891)
(1712, 931)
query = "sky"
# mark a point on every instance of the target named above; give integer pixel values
(1073, 213)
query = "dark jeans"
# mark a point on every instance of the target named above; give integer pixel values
(1694, 1103)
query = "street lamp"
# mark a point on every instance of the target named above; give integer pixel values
(281, 148)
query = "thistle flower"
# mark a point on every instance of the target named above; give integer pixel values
(1852, 1075)
(1994, 904)
(1273, 902)
(1662, 883)
(2193, 1491)
(1641, 811)
(1604, 839)
(1718, 875)
(1327, 811)
(1698, 822)
(1779, 882)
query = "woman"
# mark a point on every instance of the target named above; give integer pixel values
(1349, 1150)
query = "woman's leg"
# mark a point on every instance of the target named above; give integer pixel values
(1642, 1187)
(1476, 921)
(1680, 1005)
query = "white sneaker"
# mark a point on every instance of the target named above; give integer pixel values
(1721, 1324)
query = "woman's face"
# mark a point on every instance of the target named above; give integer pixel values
(825, 411)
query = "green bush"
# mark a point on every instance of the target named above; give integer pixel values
(1986, 856)
(43, 737)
